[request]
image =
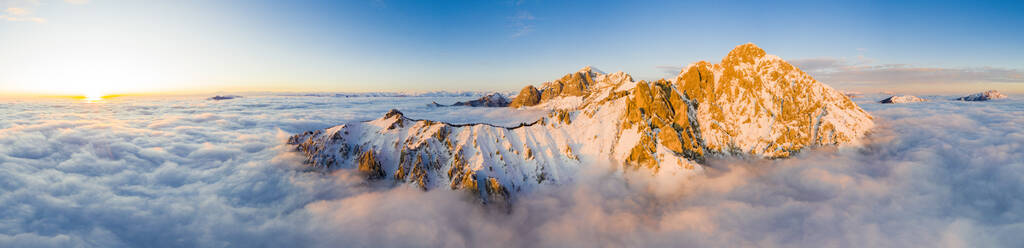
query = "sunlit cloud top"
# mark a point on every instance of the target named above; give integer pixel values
(116, 47)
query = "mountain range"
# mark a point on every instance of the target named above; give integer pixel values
(750, 104)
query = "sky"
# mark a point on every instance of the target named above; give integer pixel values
(83, 47)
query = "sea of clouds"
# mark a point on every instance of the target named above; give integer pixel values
(190, 172)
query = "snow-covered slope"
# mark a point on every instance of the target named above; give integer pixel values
(983, 96)
(902, 99)
(751, 104)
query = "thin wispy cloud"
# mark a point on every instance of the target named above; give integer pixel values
(22, 19)
(669, 70)
(16, 11)
(24, 10)
(16, 14)
(522, 22)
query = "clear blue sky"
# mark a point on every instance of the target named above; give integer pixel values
(137, 46)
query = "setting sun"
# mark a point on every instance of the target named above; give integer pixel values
(93, 96)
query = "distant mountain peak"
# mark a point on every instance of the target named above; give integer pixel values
(902, 99)
(490, 100)
(983, 96)
(592, 69)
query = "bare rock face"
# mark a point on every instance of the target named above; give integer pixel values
(983, 96)
(369, 165)
(572, 84)
(902, 99)
(760, 104)
(751, 104)
(529, 96)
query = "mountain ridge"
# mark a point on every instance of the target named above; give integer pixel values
(750, 104)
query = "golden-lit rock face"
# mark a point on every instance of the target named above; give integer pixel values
(776, 106)
(369, 165)
(529, 96)
(751, 103)
(573, 84)
(661, 115)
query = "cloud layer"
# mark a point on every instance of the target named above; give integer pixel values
(172, 172)
(861, 72)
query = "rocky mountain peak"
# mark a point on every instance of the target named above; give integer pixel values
(746, 53)
(528, 96)
(593, 71)
(572, 84)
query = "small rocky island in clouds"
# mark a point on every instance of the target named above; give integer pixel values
(223, 97)
(490, 100)
(983, 96)
(902, 99)
(749, 104)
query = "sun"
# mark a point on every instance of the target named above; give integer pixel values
(93, 96)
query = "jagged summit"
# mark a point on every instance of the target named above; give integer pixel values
(569, 89)
(751, 104)
(591, 69)
(744, 53)
(571, 85)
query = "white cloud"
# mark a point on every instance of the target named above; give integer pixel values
(214, 174)
(670, 70)
(23, 10)
(16, 11)
(22, 19)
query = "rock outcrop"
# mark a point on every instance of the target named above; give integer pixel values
(983, 96)
(369, 165)
(529, 96)
(751, 104)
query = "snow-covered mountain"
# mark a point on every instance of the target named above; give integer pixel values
(751, 104)
(491, 100)
(983, 96)
(902, 99)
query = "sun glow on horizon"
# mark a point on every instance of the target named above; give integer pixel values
(93, 96)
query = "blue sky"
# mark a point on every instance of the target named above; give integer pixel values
(205, 46)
